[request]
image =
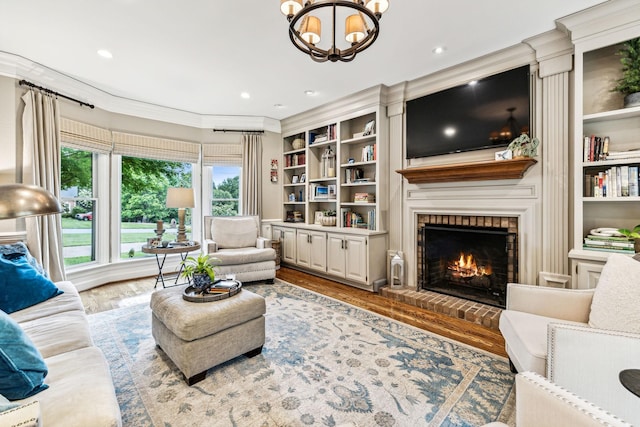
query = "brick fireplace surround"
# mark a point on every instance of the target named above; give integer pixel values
(475, 312)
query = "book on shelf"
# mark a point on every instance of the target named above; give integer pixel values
(617, 181)
(601, 249)
(613, 244)
(596, 148)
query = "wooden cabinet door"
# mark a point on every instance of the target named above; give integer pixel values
(356, 258)
(303, 250)
(588, 275)
(318, 251)
(335, 255)
(289, 245)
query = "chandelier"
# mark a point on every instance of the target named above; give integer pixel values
(361, 26)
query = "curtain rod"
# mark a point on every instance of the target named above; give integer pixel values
(238, 130)
(51, 92)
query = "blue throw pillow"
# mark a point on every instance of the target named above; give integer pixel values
(19, 249)
(21, 285)
(22, 369)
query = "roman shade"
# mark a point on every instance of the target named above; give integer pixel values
(127, 144)
(82, 136)
(221, 154)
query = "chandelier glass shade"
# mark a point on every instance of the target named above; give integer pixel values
(361, 26)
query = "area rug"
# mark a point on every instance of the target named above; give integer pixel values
(324, 363)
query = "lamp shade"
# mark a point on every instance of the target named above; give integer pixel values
(354, 28)
(18, 200)
(180, 198)
(311, 29)
(290, 7)
(378, 6)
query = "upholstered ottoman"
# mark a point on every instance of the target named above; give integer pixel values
(199, 336)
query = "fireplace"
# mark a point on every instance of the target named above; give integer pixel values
(471, 262)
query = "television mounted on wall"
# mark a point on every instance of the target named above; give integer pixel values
(487, 113)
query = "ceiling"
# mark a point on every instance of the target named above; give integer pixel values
(198, 56)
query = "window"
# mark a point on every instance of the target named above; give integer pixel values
(143, 194)
(225, 200)
(78, 219)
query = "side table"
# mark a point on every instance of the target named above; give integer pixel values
(630, 379)
(159, 251)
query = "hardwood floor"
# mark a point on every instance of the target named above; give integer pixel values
(122, 294)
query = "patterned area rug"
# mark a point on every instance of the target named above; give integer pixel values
(324, 363)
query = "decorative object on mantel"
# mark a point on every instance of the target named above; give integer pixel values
(475, 171)
(360, 29)
(523, 146)
(629, 83)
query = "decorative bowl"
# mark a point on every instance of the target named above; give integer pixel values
(297, 143)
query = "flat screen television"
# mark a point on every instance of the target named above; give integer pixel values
(489, 113)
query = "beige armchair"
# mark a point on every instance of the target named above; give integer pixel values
(236, 243)
(580, 339)
(542, 403)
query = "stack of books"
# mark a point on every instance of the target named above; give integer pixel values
(608, 244)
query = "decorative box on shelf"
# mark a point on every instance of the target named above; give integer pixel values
(364, 198)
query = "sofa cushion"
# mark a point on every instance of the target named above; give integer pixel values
(59, 333)
(244, 256)
(22, 368)
(615, 299)
(81, 392)
(526, 334)
(234, 232)
(21, 285)
(68, 301)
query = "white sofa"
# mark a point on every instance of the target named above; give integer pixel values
(81, 391)
(236, 244)
(580, 339)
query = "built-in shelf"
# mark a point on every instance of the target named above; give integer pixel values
(475, 171)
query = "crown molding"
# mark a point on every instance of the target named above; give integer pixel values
(345, 108)
(18, 67)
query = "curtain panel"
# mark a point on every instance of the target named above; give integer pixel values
(41, 167)
(252, 173)
(148, 147)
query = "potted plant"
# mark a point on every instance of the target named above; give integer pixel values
(523, 146)
(632, 235)
(629, 84)
(200, 270)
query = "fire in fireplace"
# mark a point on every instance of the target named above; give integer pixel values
(475, 263)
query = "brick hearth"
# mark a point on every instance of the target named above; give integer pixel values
(475, 312)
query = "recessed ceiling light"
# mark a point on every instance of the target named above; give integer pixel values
(278, 105)
(473, 82)
(438, 50)
(310, 92)
(245, 95)
(105, 53)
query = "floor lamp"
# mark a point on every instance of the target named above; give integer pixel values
(20, 200)
(180, 198)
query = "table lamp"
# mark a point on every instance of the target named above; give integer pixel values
(19, 200)
(180, 198)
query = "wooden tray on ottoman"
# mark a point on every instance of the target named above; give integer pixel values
(221, 290)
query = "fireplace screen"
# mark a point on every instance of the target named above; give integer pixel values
(474, 263)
